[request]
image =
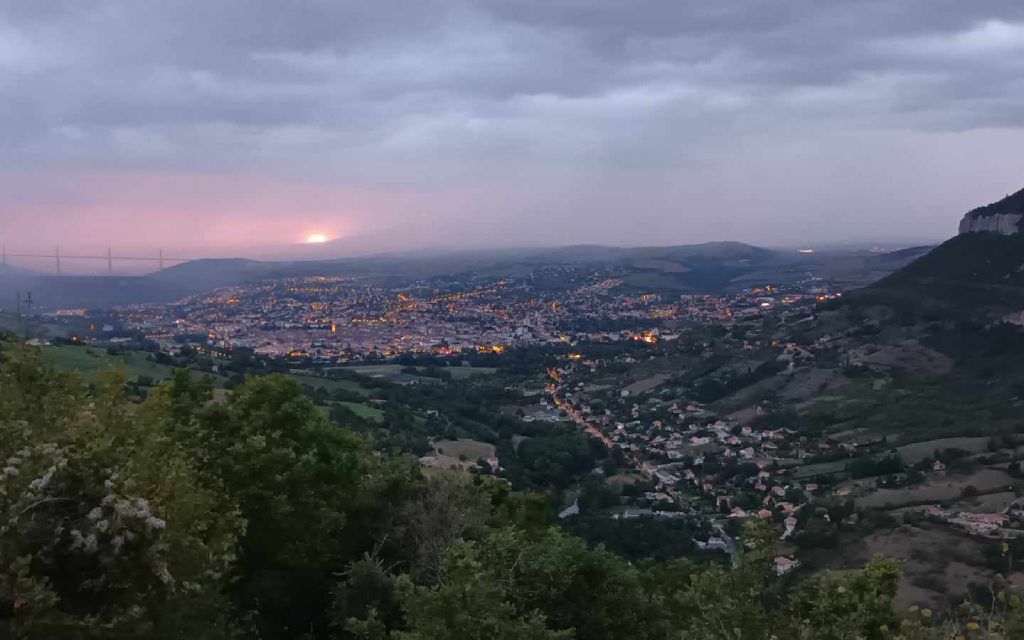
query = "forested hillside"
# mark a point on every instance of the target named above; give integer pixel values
(182, 516)
(969, 276)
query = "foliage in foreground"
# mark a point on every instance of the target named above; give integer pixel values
(182, 517)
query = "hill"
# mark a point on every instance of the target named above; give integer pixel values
(1003, 216)
(198, 275)
(978, 273)
(709, 267)
(252, 515)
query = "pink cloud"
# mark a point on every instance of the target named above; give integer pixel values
(203, 214)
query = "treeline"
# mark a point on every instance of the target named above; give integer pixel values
(179, 516)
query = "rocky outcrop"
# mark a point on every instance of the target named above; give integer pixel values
(1004, 223)
(1003, 217)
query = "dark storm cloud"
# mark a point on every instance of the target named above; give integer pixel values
(540, 96)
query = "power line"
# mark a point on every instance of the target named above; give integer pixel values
(65, 256)
(58, 258)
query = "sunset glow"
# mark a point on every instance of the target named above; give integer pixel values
(316, 238)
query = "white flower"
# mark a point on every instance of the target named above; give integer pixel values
(43, 481)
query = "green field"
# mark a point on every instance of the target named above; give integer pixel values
(393, 372)
(916, 408)
(376, 370)
(91, 362)
(465, 447)
(820, 469)
(330, 384)
(364, 411)
(938, 489)
(912, 453)
(461, 373)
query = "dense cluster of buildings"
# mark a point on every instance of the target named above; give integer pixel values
(341, 319)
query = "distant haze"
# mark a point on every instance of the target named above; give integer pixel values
(232, 127)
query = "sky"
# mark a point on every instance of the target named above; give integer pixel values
(243, 127)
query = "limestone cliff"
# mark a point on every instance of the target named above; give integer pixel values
(1003, 217)
(1004, 223)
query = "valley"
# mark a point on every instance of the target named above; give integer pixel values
(656, 422)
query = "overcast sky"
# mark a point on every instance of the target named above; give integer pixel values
(233, 126)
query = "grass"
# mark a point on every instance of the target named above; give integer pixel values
(473, 450)
(461, 373)
(394, 373)
(912, 453)
(916, 408)
(646, 384)
(820, 469)
(937, 489)
(92, 362)
(446, 455)
(376, 370)
(364, 411)
(330, 384)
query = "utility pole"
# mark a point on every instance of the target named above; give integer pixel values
(28, 313)
(58, 259)
(110, 261)
(5, 254)
(161, 259)
(18, 296)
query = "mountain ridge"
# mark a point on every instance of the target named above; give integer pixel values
(1002, 217)
(704, 267)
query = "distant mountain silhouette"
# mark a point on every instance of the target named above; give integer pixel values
(707, 267)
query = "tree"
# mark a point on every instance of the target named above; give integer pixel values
(296, 477)
(513, 585)
(470, 605)
(858, 605)
(107, 527)
(443, 511)
(718, 602)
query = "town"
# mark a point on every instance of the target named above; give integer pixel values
(336, 319)
(703, 411)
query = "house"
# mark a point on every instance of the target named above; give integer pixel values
(784, 565)
(713, 544)
(996, 519)
(790, 523)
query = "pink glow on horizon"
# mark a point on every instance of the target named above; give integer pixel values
(199, 214)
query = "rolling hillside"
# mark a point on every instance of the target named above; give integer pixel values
(709, 267)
